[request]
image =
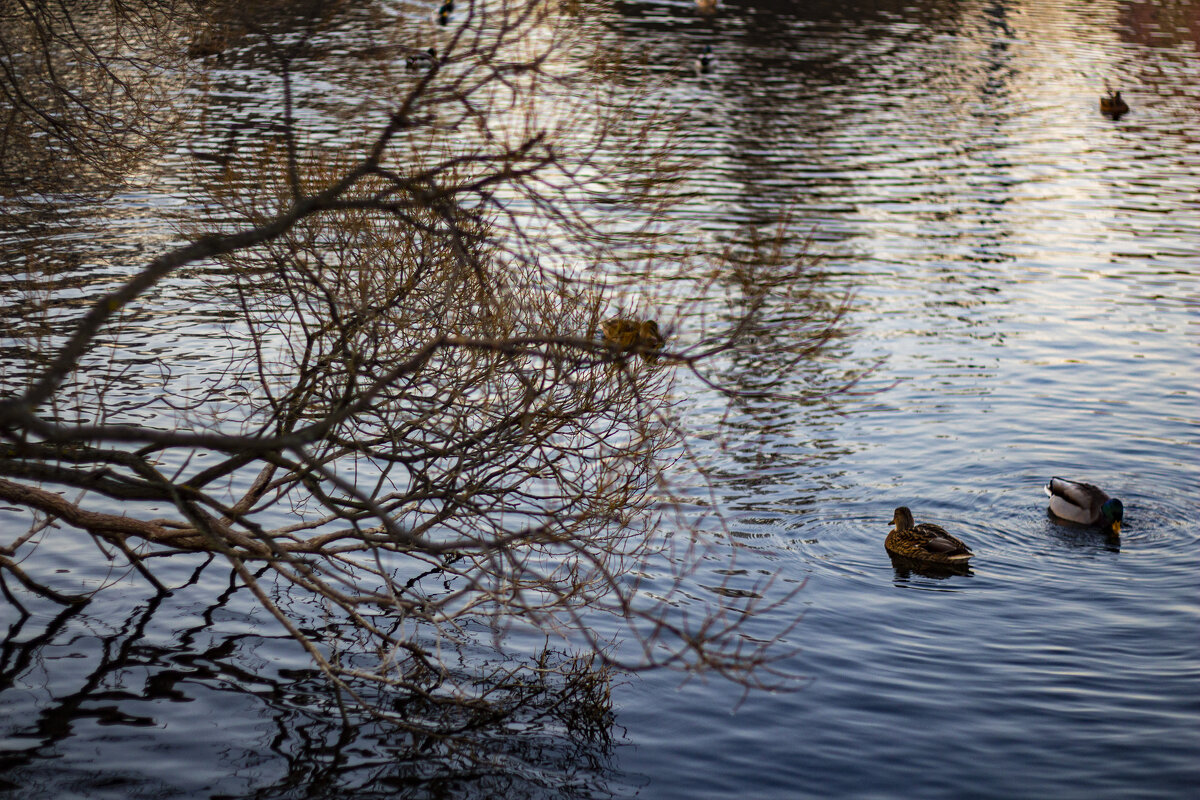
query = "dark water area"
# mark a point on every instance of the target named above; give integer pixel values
(1024, 276)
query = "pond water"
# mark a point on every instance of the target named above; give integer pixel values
(1025, 283)
(1026, 272)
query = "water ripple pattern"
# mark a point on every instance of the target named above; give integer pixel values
(1026, 296)
(1024, 277)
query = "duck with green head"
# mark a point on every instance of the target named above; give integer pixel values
(926, 542)
(1086, 504)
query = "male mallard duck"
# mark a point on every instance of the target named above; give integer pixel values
(706, 62)
(1085, 504)
(925, 542)
(1113, 105)
(629, 334)
(442, 16)
(424, 60)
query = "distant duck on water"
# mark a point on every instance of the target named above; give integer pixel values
(423, 60)
(706, 62)
(1085, 504)
(442, 15)
(630, 335)
(1113, 105)
(207, 43)
(926, 543)
(707, 7)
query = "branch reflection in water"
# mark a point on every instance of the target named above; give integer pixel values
(541, 724)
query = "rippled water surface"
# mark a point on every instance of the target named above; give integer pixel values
(1025, 283)
(1025, 272)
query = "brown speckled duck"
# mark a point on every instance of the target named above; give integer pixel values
(926, 542)
(631, 335)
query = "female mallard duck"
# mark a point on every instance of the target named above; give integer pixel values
(631, 335)
(1085, 504)
(706, 62)
(1113, 105)
(424, 60)
(925, 542)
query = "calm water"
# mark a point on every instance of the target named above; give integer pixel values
(1026, 283)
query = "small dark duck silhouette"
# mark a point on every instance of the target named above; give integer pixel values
(1112, 105)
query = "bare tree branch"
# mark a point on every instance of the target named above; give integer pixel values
(413, 409)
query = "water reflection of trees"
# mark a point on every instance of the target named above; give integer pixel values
(78, 105)
(545, 728)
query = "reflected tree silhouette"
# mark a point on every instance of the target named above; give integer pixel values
(561, 722)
